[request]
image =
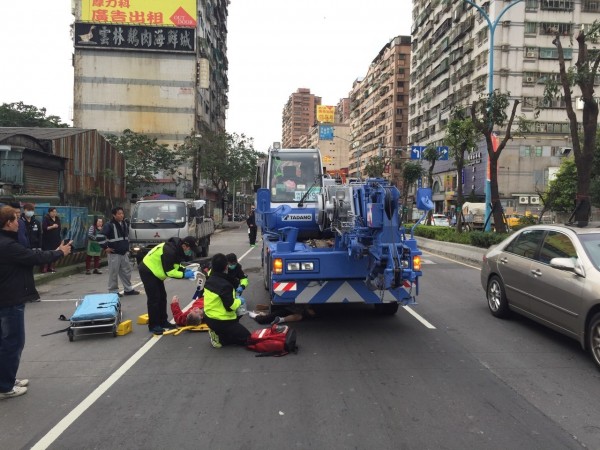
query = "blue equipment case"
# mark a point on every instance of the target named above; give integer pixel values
(96, 314)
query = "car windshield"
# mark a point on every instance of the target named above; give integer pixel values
(591, 244)
(158, 214)
(293, 174)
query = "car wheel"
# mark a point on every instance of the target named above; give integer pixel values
(386, 309)
(496, 297)
(593, 334)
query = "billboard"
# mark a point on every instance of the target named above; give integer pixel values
(166, 13)
(127, 37)
(325, 114)
(325, 132)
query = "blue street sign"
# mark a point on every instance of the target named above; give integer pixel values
(420, 182)
(326, 132)
(443, 153)
(416, 151)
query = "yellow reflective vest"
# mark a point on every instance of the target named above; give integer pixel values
(164, 261)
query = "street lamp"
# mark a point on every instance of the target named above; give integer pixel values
(492, 28)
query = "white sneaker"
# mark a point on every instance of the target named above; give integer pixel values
(21, 383)
(15, 392)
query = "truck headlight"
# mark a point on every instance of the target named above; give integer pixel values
(277, 266)
(307, 266)
(293, 266)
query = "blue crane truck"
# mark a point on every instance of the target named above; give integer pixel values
(325, 242)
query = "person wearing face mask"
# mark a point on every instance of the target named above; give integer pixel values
(30, 229)
(160, 263)
(236, 274)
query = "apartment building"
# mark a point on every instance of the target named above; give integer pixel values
(379, 110)
(299, 115)
(450, 67)
(160, 73)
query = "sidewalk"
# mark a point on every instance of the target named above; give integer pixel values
(78, 268)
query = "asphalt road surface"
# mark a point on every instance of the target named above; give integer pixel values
(443, 374)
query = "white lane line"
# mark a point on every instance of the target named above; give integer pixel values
(419, 318)
(61, 426)
(452, 260)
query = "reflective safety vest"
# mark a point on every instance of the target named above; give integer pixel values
(153, 261)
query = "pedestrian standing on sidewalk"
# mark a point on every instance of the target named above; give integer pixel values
(116, 232)
(251, 222)
(17, 287)
(30, 229)
(94, 246)
(50, 235)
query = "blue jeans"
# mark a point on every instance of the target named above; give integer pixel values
(12, 341)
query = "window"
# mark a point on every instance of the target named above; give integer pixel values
(530, 28)
(525, 151)
(526, 244)
(590, 6)
(557, 5)
(531, 5)
(556, 245)
(552, 53)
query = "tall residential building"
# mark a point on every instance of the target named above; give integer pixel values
(379, 109)
(160, 73)
(450, 68)
(299, 114)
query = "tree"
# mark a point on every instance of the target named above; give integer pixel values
(486, 113)
(583, 75)
(144, 158)
(21, 115)
(411, 172)
(376, 165)
(222, 158)
(561, 191)
(461, 139)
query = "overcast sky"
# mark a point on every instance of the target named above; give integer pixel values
(274, 48)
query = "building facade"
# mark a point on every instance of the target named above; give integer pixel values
(162, 74)
(299, 115)
(450, 68)
(379, 110)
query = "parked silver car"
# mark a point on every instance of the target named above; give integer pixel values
(551, 274)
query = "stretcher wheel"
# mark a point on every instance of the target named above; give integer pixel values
(115, 331)
(70, 334)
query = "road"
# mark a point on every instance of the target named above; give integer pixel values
(441, 374)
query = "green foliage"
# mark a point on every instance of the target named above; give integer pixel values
(561, 192)
(447, 234)
(22, 115)
(144, 158)
(375, 167)
(411, 172)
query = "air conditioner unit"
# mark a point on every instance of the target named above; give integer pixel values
(534, 200)
(530, 54)
(530, 79)
(506, 23)
(523, 200)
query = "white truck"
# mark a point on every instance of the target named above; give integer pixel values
(155, 221)
(474, 214)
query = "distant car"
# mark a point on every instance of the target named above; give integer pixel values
(440, 220)
(551, 274)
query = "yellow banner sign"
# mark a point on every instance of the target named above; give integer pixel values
(179, 13)
(325, 114)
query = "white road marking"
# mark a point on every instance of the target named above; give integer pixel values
(61, 426)
(453, 260)
(419, 318)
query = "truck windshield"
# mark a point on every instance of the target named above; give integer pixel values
(292, 174)
(157, 214)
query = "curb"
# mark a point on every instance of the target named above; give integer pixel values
(459, 252)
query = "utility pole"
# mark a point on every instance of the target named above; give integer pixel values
(492, 29)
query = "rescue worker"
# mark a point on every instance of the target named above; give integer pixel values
(220, 305)
(236, 274)
(162, 262)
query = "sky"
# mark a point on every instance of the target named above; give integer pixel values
(274, 48)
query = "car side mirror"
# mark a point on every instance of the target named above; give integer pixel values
(566, 264)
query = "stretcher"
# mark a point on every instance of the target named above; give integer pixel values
(96, 314)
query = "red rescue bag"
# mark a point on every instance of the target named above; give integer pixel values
(278, 340)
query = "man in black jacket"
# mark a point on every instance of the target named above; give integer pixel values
(30, 229)
(17, 287)
(117, 249)
(251, 222)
